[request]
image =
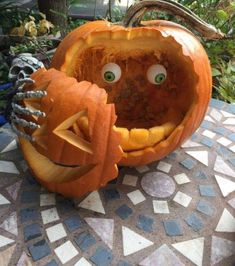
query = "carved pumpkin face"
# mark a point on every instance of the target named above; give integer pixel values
(158, 77)
(75, 149)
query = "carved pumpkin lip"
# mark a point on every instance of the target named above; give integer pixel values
(49, 171)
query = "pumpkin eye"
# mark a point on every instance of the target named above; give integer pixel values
(156, 74)
(111, 72)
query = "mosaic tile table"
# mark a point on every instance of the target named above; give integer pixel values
(129, 222)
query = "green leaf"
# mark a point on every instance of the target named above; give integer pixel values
(215, 72)
(221, 14)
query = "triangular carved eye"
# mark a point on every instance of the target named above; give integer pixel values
(70, 132)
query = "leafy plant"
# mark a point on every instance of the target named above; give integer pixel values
(224, 81)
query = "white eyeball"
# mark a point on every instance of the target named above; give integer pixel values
(156, 74)
(111, 72)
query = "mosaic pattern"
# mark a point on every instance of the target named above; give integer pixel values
(125, 223)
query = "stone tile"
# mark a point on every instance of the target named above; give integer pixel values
(181, 179)
(224, 141)
(190, 144)
(205, 207)
(164, 167)
(201, 156)
(50, 215)
(232, 148)
(123, 263)
(226, 222)
(226, 186)
(73, 223)
(5, 140)
(222, 167)
(47, 199)
(216, 115)
(208, 118)
(221, 130)
(64, 205)
(188, 163)
(229, 121)
(208, 142)
(13, 190)
(56, 232)
(82, 262)
(136, 196)
(10, 224)
(217, 104)
(220, 249)
(5, 241)
(230, 108)
(226, 114)
(142, 169)
(28, 214)
(23, 165)
(24, 260)
(111, 194)
(63, 254)
(93, 202)
(102, 257)
(158, 184)
(188, 248)
(200, 175)
(206, 124)
(8, 167)
(207, 190)
(232, 203)
(145, 223)
(160, 206)
(172, 228)
(133, 242)
(232, 161)
(32, 231)
(194, 222)
(103, 228)
(52, 263)
(84, 240)
(10, 147)
(130, 180)
(3, 200)
(232, 137)
(5, 256)
(39, 250)
(172, 155)
(182, 199)
(162, 256)
(31, 196)
(209, 134)
(124, 211)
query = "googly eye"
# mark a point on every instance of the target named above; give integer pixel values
(111, 72)
(156, 74)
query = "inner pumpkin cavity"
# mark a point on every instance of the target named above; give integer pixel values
(146, 113)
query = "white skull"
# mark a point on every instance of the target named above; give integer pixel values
(23, 66)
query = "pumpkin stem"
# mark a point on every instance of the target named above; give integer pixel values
(136, 12)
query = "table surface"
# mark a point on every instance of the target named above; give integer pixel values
(129, 222)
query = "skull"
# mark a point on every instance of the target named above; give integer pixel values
(23, 66)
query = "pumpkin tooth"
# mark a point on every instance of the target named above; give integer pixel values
(138, 138)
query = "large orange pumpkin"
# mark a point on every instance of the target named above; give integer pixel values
(162, 82)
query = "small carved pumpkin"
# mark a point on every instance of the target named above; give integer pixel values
(75, 150)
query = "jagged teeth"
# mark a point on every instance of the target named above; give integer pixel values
(138, 138)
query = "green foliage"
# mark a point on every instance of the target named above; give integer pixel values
(4, 69)
(224, 81)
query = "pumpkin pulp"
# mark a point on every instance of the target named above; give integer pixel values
(146, 113)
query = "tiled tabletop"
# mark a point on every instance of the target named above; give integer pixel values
(179, 211)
